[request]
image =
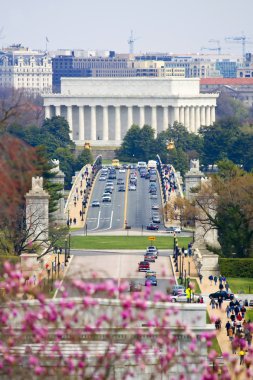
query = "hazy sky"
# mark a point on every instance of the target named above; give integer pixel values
(160, 25)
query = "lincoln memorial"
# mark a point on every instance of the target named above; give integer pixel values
(101, 110)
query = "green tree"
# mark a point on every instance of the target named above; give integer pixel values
(129, 149)
(84, 158)
(228, 107)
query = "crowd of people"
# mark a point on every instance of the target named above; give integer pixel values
(170, 180)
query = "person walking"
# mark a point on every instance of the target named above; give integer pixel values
(230, 334)
(241, 355)
(211, 279)
(227, 286)
(243, 310)
(228, 311)
(227, 326)
(212, 303)
(215, 279)
(220, 301)
(200, 278)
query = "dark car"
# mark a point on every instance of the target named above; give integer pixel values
(121, 188)
(112, 176)
(152, 227)
(144, 266)
(151, 281)
(225, 295)
(147, 176)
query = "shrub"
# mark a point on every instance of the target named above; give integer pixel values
(236, 267)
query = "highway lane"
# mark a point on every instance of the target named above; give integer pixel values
(139, 210)
(109, 216)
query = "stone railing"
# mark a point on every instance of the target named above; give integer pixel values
(206, 263)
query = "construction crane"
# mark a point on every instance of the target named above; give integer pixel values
(218, 49)
(217, 42)
(239, 39)
(131, 42)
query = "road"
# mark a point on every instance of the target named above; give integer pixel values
(117, 265)
(130, 207)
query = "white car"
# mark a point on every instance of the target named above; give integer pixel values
(132, 188)
(179, 298)
(122, 170)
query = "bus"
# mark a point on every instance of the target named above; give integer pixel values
(152, 164)
(115, 163)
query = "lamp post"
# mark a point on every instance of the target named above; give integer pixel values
(58, 262)
(52, 275)
(69, 246)
(65, 252)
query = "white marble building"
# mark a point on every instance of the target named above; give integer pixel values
(101, 110)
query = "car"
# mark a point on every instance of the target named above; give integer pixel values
(102, 178)
(225, 295)
(122, 170)
(150, 273)
(143, 266)
(177, 289)
(154, 253)
(121, 188)
(179, 298)
(155, 206)
(173, 229)
(147, 176)
(152, 227)
(152, 171)
(152, 248)
(132, 187)
(149, 256)
(151, 281)
(120, 181)
(250, 302)
(156, 219)
(95, 204)
(152, 178)
(134, 286)
(112, 176)
(106, 198)
(125, 166)
(109, 183)
(153, 196)
(108, 190)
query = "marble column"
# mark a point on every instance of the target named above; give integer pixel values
(47, 112)
(105, 124)
(165, 118)
(212, 114)
(202, 116)
(208, 116)
(57, 110)
(93, 125)
(117, 124)
(142, 116)
(197, 119)
(154, 119)
(129, 117)
(176, 114)
(69, 119)
(181, 115)
(81, 123)
(186, 118)
(192, 119)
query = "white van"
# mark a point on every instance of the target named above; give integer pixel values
(152, 164)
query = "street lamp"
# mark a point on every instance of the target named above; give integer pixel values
(65, 252)
(69, 246)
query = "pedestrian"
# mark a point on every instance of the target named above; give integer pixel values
(216, 304)
(218, 324)
(220, 278)
(239, 317)
(232, 316)
(220, 300)
(81, 184)
(224, 279)
(228, 326)
(75, 204)
(74, 221)
(212, 303)
(226, 286)
(236, 310)
(234, 346)
(70, 221)
(211, 279)
(221, 286)
(81, 192)
(80, 213)
(215, 280)
(228, 310)
(243, 311)
(230, 334)
(241, 355)
(200, 278)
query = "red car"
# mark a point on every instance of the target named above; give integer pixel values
(150, 257)
(143, 266)
(152, 227)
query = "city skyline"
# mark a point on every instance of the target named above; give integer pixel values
(163, 28)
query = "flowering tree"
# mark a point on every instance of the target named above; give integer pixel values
(105, 333)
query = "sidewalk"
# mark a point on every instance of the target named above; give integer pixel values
(206, 288)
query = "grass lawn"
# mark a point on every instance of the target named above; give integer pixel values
(125, 242)
(249, 314)
(241, 285)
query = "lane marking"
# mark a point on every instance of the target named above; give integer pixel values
(126, 198)
(93, 229)
(110, 226)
